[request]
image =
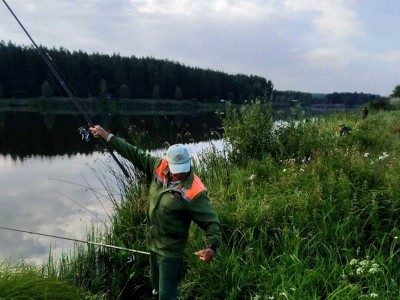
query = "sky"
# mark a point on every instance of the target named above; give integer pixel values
(317, 46)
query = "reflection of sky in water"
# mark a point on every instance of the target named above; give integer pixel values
(50, 195)
(39, 195)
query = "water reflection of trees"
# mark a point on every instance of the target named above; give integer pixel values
(2, 119)
(25, 134)
(49, 120)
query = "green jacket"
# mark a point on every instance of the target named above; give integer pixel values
(168, 215)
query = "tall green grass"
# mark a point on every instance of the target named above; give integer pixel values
(23, 281)
(319, 221)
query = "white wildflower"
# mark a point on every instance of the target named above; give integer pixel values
(373, 295)
(366, 154)
(363, 262)
(301, 170)
(359, 270)
(284, 170)
(353, 261)
(251, 178)
(374, 268)
(383, 156)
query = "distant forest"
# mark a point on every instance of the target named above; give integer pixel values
(23, 74)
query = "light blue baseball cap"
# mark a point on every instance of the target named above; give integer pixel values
(178, 157)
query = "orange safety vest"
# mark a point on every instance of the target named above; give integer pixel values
(187, 194)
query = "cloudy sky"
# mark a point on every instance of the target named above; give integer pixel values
(304, 45)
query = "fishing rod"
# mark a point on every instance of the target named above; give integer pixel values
(49, 62)
(76, 240)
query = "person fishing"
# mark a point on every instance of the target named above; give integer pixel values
(176, 198)
(344, 130)
(365, 112)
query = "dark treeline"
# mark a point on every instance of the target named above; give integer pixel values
(23, 74)
(291, 98)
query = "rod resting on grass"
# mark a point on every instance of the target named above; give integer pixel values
(76, 240)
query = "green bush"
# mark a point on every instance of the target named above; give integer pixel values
(249, 130)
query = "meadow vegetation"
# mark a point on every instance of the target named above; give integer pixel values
(305, 213)
(24, 281)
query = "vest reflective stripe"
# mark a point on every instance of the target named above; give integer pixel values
(159, 172)
(187, 194)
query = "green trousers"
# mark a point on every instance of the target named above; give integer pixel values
(165, 274)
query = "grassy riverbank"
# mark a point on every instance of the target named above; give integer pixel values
(315, 218)
(28, 282)
(306, 214)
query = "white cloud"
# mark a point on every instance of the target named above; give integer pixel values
(202, 9)
(335, 19)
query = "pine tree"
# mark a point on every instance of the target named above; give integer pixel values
(156, 92)
(178, 93)
(103, 89)
(47, 91)
(396, 91)
(124, 91)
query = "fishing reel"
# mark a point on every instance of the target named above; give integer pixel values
(84, 132)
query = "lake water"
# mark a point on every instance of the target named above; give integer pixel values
(52, 182)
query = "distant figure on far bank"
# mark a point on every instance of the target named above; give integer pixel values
(365, 112)
(343, 129)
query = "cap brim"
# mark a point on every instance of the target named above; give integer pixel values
(179, 168)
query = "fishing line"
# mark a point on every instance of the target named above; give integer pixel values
(59, 89)
(76, 240)
(49, 62)
(47, 59)
(84, 207)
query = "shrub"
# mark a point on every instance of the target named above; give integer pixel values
(249, 129)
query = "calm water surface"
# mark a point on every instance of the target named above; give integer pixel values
(48, 195)
(52, 182)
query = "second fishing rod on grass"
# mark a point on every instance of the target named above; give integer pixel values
(76, 240)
